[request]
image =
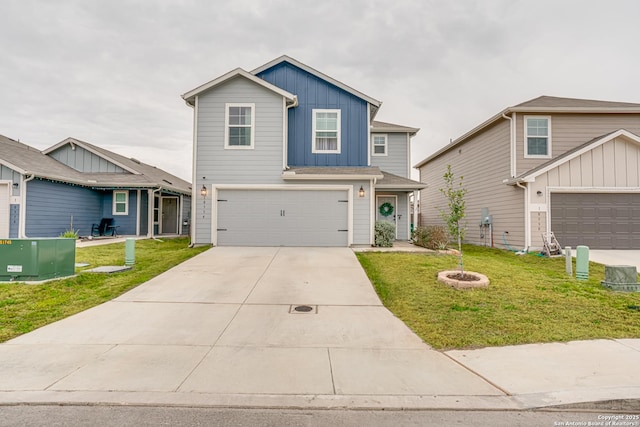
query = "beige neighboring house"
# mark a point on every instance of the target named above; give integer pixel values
(561, 165)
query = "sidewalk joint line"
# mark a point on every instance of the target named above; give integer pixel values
(477, 374)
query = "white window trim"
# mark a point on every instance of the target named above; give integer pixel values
(526, 145)
(226, 125)
(373, 145)
(313, 131)
(126, 203)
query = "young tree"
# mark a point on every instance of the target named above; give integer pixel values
(453, 217)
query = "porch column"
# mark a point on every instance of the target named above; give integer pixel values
(415, 209)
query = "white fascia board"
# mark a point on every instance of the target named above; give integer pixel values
(382, 129)
(285, 58)
(189, 96)
(594, 144)
(400, 187)
(607, 110)
(13, 167)
(292, 177)
(79, 143)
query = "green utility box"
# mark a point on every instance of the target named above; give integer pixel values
(36, 259)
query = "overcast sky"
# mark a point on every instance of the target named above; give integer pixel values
(111, 72)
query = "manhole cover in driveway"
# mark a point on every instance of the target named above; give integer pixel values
(303, 309)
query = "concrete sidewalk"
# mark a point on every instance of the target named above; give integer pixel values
(221, 330)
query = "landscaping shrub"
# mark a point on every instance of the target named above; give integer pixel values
(69, 234)
(385, 234)
(431, 237)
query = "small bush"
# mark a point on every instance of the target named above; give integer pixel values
(385, 234)
(70, 234)
(433, 237)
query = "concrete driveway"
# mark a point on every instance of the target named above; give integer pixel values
(222, 329)
(615, 257)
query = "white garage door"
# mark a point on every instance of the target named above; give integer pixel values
(597, 220)
(282, 218)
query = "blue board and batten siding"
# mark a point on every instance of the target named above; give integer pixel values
(315, 93)
(126, 223)
(84, 161)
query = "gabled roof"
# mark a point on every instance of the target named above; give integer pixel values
(190, 96)
(553, 103)
(532, 174)
(284, 58)
(544, 104)
(391, 181)
(31, 161)
(377, 126)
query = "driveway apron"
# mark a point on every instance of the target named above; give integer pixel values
(224, 323)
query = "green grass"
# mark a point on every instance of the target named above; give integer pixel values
(530, 299)
(24, 308)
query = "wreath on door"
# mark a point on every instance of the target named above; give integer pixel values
(386, 209)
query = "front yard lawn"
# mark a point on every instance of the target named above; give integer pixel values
(24, 308)
(530, 299)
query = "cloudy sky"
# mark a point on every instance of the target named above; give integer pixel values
(112, 72)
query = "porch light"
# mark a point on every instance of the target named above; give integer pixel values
(203, 191)
(361, 192)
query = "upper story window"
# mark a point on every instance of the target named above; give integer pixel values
(239, 126)
(120, 203)
(537, 136)
(326, 131)
(379, 145)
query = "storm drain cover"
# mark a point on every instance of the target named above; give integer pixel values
(302, 309)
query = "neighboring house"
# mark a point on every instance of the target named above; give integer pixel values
(287, 156)
(43, 192)
(567, 166)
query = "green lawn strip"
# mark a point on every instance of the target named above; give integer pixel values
(530, 299)
(24, 308)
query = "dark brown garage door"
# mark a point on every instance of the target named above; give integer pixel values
(597, 220)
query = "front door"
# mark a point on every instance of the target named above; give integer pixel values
(386, 209)
(169, 215)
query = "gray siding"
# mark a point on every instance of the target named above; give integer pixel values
(7, 174)
(214, 164)
(571, 130)
(84, 161)
(396, 161)
(483, 161)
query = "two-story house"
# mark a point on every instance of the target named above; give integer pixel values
(561, 165)
(285, 155)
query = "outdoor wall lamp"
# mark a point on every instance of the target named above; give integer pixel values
(539, 193)
(361, 192)
(15, 185)
(203, 191)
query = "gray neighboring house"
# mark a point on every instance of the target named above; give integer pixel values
(285, 155)
(43, 192)
(561, 165)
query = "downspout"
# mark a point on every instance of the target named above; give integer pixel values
(512, 143)
(372, 216)
(22, 233)
(153, 207)
(285, 133)
(527, 217)
(192, 224)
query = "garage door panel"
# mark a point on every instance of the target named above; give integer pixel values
(282, 218)
(598, 220)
